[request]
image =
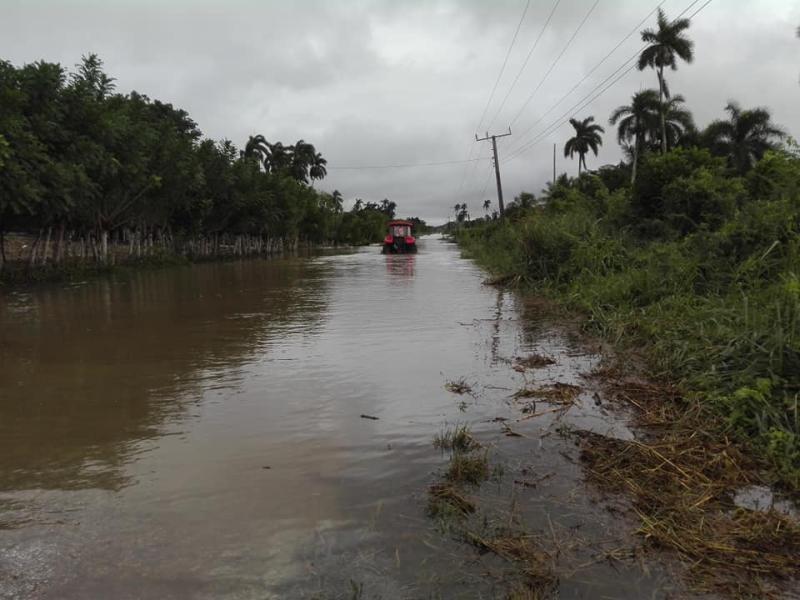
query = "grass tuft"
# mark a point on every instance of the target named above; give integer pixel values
(458, 439)
(468, 467)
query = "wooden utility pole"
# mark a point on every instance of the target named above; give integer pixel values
(554, 164)
(496, 165)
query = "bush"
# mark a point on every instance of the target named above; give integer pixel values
(658, 171)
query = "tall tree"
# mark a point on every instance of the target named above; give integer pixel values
(667, 44)
(744, 136)
(587, 137)
(257, 148)
(280, 158)
(637, 123)
(677, 119)
(317, 169)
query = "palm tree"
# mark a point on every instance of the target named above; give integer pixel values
(637, 123)
(666, 44)
(257, 148)
(279, 158)
(677, 119)
(744, 137)
(640, 123)
(303, 155)
(486, 205)
(337, 200)
(317, 170)
(587, 137)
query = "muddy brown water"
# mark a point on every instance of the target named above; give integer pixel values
(196, 432)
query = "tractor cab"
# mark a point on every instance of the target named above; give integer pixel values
(398, 239)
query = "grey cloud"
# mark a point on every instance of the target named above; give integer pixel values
(381, 82)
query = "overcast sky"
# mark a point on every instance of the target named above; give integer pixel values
(379, 82)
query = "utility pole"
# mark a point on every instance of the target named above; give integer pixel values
(496, 165)
(554, 164)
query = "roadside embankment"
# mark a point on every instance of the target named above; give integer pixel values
(693, 269)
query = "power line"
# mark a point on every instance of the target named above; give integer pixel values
(494, 89)
(555, 62)
(592, 70)
(583, 103)
(486, 183)
(403, 165)
(525, 62)
(505, 62)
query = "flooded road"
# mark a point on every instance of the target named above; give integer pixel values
(197, 432)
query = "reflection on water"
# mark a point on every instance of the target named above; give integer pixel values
(195, 432)
(400, 267)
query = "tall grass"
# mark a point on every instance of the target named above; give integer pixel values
(717, 308)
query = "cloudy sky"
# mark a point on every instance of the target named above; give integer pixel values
(381, 82)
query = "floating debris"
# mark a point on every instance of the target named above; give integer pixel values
(557, 393)
(459, 386)
(510, 432)
(370, 417)
(534, 361)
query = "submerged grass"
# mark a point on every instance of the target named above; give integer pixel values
(468, 467)
(446, 501)
(535, 565)
(532, 573)
(459, 438)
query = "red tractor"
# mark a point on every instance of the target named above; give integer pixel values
(399, 239)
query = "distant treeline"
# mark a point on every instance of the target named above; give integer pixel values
(97, 176)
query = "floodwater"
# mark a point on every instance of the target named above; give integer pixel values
(197, 432)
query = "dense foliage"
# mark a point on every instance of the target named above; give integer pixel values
(97, 176)
(688, 250)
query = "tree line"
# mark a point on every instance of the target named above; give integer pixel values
(657, 121)
(93, 175)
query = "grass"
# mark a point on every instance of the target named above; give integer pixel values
(714, 318)
(459, 439)
(682, 481)
(446, 501)
(535, 567)
(468, 467)
(532, 575)
(715, 312)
